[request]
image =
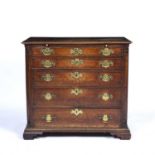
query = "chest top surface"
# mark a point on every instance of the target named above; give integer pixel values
(77, 40)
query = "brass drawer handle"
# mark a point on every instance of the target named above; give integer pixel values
(48, 118)
(106, 77)
(105, 118)
(106, 96)
(48, 63)
(76, 91)
(47, 51)
(76, 51)
(76, 62)
(47, 77)
(76, 112)
(76, 75)
(106, 63)
(48, 96)
(106, 51)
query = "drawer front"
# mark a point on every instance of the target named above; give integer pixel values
(63, 63)
(77, 97)
(60, 118)
(69, 78)
(105, 50)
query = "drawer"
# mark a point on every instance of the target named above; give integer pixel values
(61, 118)
(104, 50)
(50, 78)
(77, 97)
(73, 63)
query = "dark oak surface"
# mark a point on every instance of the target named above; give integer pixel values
(100, 107)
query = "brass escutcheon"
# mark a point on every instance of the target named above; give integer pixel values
(48, 96)
(106, 63)
(48, 63)
(47, 77)
(105, 118)
(76, 62)
(106, 96)
(48, 118)
(106, 51)
(76, 51)
(76, 112)
(106, 77)
(47, 51)
(76, 75)
(76, 91)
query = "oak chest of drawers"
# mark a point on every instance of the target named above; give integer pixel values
(77, 85)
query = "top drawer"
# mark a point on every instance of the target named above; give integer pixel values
(105, 51)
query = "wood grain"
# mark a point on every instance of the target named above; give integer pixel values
(90, 98)
(64, 78)
(64, 118)
(70, 63)
(36, 51)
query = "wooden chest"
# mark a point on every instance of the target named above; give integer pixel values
(77, 86)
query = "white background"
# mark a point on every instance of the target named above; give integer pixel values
(134, 19)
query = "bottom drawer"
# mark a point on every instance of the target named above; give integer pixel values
(59, 118)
